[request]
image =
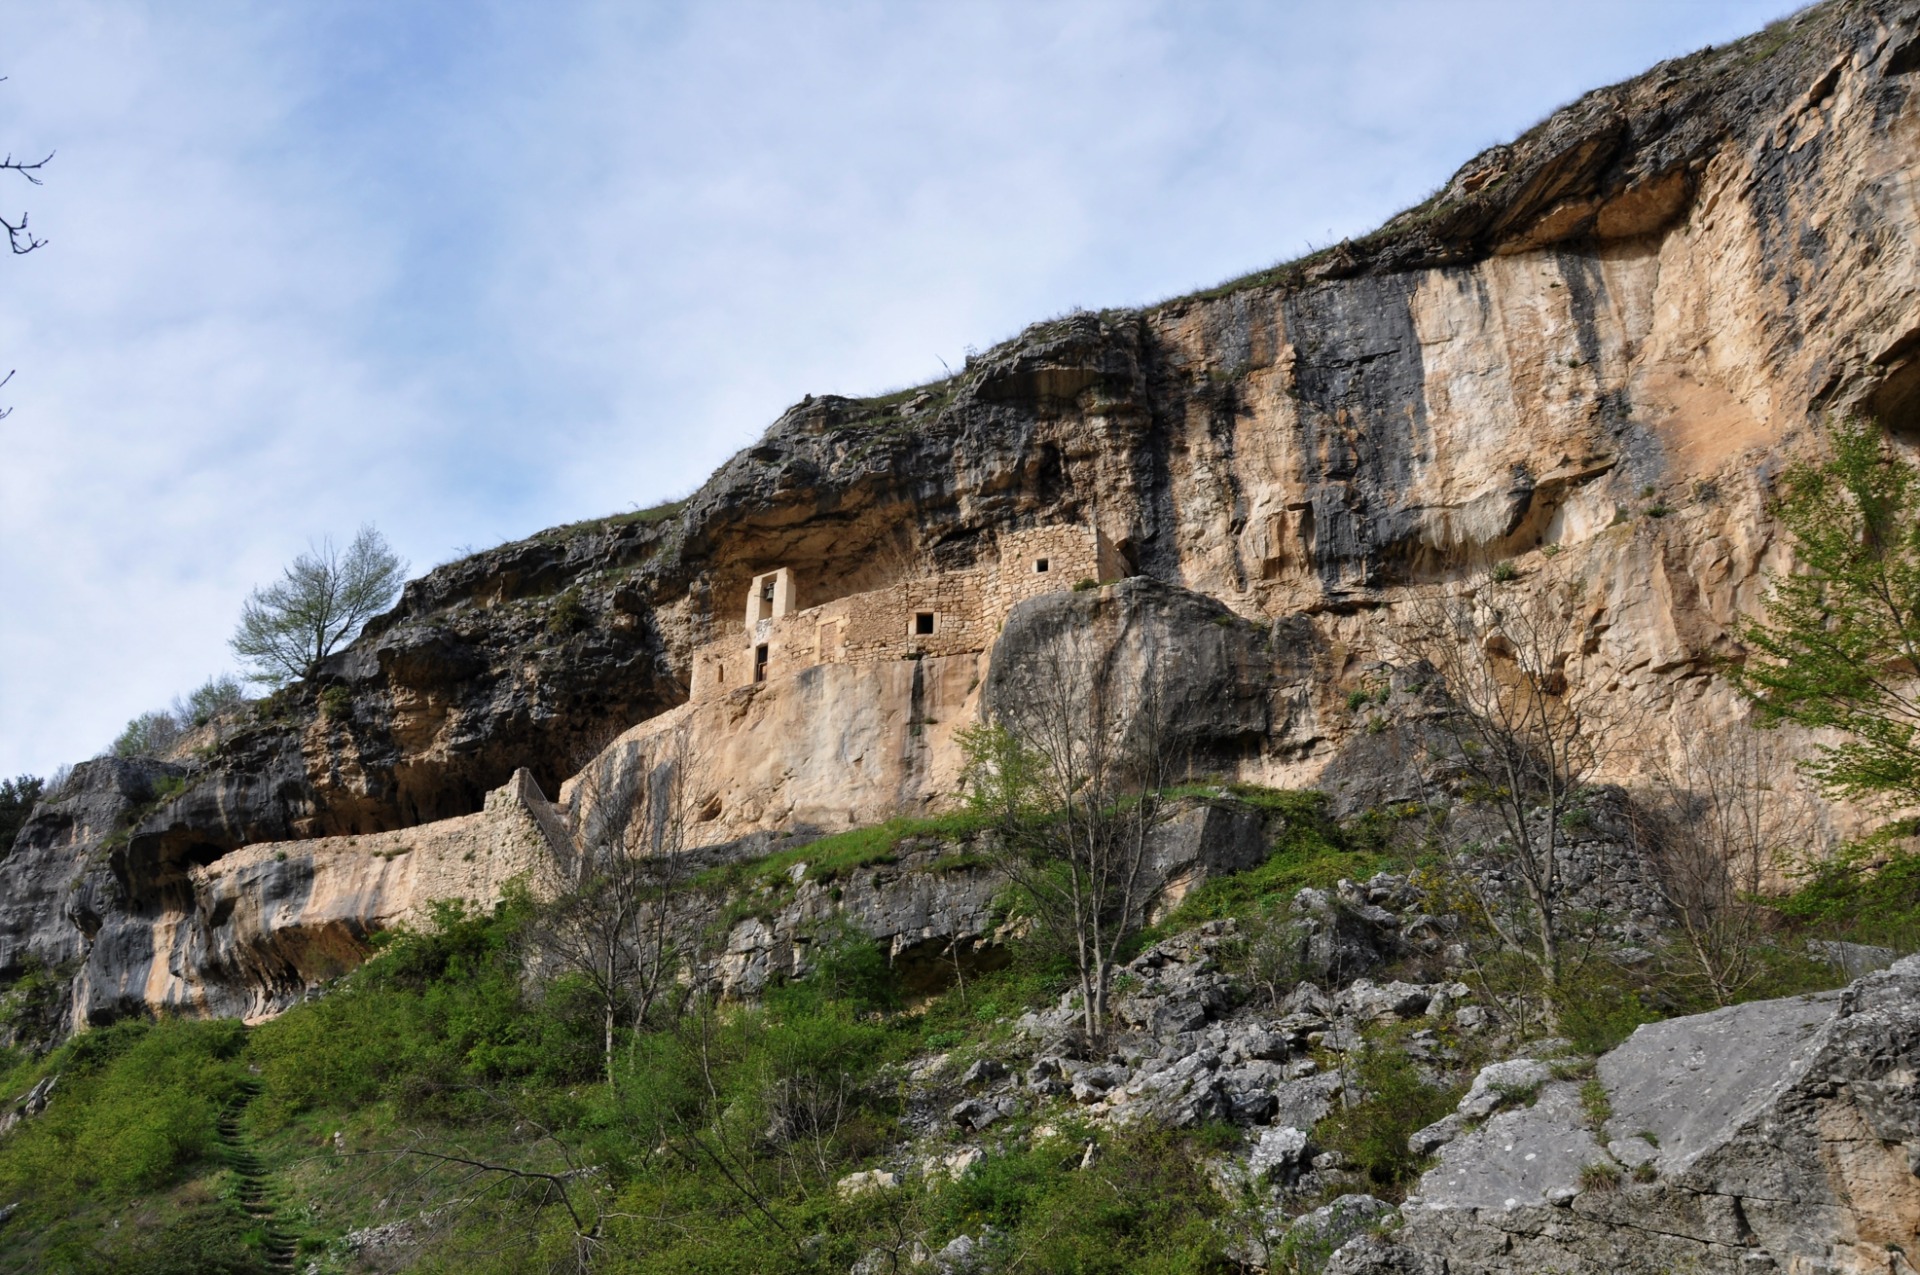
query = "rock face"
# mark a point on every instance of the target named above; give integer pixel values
(932, 906)
(250, 932)
(838, 746)
(1586, 357)
(1774, 1136)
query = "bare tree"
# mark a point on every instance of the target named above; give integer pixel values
(525, 1178)
(1525, 738)
(1720, 816)
(321, 601)
(612, 924)
(1071, 768)
(19, 238)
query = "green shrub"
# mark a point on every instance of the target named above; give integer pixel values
(336, 703)
(1396, 1102)
(437, 1016)
(1504, 571)
(1600, 1006)
(17, 797)
(1036, 972)
(1143, 1205)
(1310, 849)
(137, 1106)
(148, 735)
(1869, 892)
(211, 698)
(568, 614)
(847, 967)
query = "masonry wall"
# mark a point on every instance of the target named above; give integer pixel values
(274, 919)
(967, 610)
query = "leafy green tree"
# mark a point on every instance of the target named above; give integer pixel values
(147, 735)
(207, 701)
(321, 601)
(1838, 645)
(17, 796)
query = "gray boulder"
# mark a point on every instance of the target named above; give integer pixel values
(1780, 1136)
(1280, 1155)
(1852, 959)
(1314, 1237)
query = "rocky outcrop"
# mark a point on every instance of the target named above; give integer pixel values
(75, 830)
(1585, 359)
(1773, 1136)
(935, 905)
(841, 746)
(248, 933)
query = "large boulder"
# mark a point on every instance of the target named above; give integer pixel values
(1780, 1135)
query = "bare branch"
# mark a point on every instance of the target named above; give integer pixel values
(18, 237)
(1071, 769)
(1524, 736)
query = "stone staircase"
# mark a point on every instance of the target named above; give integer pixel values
(253, 1184)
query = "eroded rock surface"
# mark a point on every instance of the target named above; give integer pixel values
(1774, 1136)
(1587, 357)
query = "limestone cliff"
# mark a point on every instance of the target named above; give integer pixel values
(1586, 356)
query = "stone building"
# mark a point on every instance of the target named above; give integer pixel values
(953, 613)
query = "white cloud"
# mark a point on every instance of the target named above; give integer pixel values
(466, 271)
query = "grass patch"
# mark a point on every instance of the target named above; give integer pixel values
(1598, 1105)
(1396, 1102)
(568, 614)
(1600, 1176)
(830, 858)
(1869, 892)
(1310, 848)
(336, 703)
(635, 518)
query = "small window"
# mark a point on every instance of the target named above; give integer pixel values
(1040, 566)
(760, 662)
(923, 622)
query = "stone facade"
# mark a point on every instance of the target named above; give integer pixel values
(269, 921)
(953, 613)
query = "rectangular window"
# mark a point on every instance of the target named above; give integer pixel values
(1039, 566)
(923, 622)
(760, 662)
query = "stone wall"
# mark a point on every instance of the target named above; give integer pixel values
(270, 921)
(831, 747)
(966, 608)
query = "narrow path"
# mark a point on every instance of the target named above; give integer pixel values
(254, 1185)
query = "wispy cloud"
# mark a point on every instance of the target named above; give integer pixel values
(468, 270)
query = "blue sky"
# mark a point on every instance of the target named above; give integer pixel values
(466, 270)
